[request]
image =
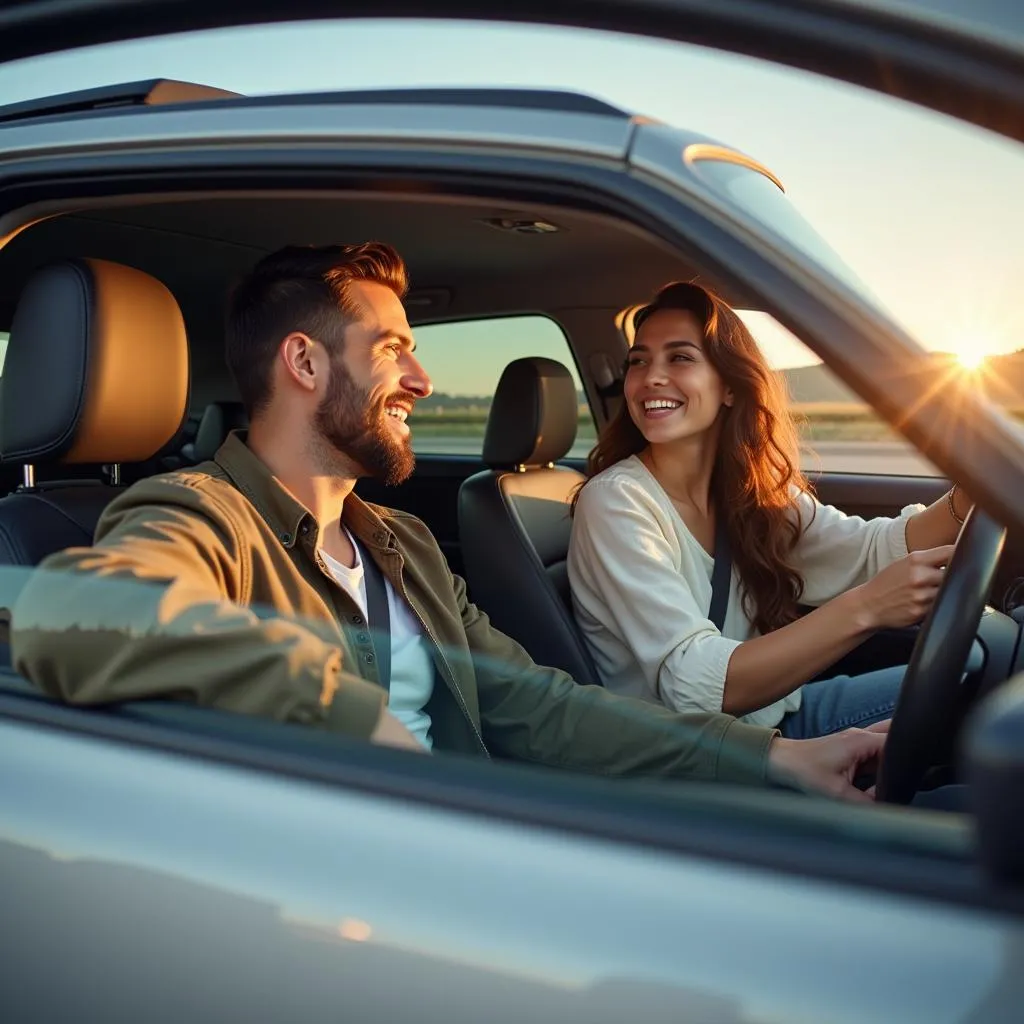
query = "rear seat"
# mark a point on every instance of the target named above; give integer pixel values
(218, 420)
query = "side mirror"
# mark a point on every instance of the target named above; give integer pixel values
(994, 763)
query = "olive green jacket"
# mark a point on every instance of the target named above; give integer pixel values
(206, 585)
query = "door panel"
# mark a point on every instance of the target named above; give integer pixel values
(159, 893)
(867, 495)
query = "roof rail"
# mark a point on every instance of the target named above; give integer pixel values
(165, 91)
(463, 96)
(155, 92)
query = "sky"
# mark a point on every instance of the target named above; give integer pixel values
(925, 210)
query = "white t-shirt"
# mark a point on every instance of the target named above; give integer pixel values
(641, 587)
(412, 671)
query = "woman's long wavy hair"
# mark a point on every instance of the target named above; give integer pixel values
(756, 474)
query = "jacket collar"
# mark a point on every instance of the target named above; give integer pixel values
(281, 510)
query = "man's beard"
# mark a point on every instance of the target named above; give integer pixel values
(356, 428)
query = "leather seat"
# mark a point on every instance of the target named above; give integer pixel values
(96, 374)
(218, 420)
(514, 522)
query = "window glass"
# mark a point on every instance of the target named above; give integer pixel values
(761, 197)
(465, 359)
(839, 431)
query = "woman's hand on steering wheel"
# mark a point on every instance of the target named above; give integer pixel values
(902, 594)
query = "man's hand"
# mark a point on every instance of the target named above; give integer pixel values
(389, 732)
(831, 763)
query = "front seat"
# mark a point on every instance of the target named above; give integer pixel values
(514, 522)
(96, 373)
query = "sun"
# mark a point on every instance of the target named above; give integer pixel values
(970, 358)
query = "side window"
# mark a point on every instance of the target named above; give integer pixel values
(840, 433)
(465, 360)
(4, 336)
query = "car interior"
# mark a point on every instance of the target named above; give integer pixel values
(140, 284)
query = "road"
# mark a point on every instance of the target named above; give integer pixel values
(882, 457)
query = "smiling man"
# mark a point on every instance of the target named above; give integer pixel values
(260, 583)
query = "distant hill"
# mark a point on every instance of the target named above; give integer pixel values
(816, 384)
(441, 402)
(1003, 378)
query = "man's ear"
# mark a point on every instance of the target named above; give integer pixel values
(302, 360)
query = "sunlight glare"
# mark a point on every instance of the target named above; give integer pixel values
(970, 358)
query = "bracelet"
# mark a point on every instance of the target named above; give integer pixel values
(952, 507)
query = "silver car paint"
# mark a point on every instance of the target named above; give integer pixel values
(144, 886)
(424, 126)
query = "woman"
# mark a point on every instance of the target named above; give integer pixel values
(703, 438)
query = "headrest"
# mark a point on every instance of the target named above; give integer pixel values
(96, 369)
(219, 419)
(533, 416)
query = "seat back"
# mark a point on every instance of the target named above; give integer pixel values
(96, 373)
(514, 522)
(218, 420)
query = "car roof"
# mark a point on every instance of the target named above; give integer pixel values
(961, 57)
(162, 92)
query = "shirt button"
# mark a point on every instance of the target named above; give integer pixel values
(305, 529)
(286, 538)
(363, 638)
(357, 620)
(369, 659)
(380, 537)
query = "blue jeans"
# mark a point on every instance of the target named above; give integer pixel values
(844, 702)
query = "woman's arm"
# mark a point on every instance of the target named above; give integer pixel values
(940, 522)
(624, 571)
(766, 668)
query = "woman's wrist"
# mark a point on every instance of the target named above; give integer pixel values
(958, 504)
(857, 610)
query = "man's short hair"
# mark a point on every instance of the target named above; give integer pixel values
(299, 288)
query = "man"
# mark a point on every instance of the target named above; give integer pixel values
(246, 583)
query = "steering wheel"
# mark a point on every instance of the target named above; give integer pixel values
(927, 700)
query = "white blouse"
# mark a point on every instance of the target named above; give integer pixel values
(641, 587)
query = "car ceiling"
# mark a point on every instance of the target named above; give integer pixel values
(460, 266)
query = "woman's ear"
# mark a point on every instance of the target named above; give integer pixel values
(728, 399)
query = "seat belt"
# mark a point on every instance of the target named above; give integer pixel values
(721, 575)
(378, 614)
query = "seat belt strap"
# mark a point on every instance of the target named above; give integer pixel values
(378, 614)
(721, 575)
